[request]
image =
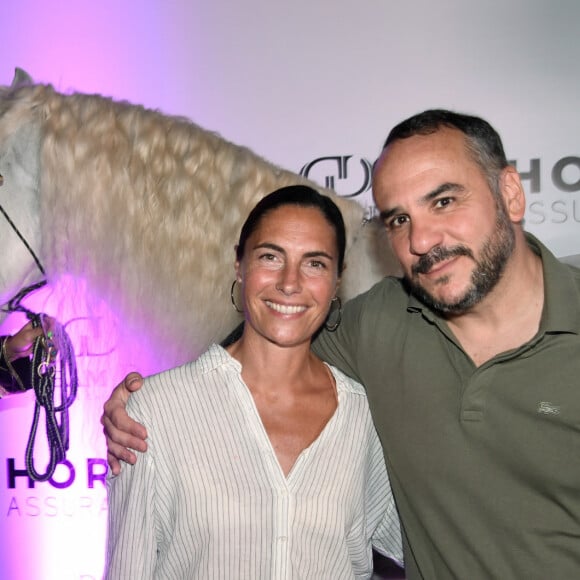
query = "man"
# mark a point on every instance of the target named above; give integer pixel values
(471, 362)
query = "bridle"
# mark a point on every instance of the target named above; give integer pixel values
(19, 234)
(53, 362)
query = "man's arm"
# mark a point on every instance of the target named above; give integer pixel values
(121, 432)
(339, 347)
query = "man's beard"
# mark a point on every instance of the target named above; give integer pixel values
(489, 268)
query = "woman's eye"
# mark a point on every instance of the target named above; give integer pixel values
(317, 264)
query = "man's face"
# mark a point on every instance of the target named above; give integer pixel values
(452, 236)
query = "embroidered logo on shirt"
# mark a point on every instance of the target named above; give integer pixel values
(547, 408)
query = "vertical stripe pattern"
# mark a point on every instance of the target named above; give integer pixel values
(210, 501)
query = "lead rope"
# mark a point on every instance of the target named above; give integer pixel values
(51, 351)
(53, 365)
(45, 359)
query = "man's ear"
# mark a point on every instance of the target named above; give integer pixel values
(513, 194)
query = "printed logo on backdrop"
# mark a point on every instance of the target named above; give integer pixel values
(348, 175)
(552, 190)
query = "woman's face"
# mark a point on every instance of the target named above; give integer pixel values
(289, 275)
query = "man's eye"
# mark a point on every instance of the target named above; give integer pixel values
(396, 222)
(443, 201)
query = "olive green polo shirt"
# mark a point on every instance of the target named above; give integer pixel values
(484, 462)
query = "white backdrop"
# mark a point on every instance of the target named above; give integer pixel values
(296, 82)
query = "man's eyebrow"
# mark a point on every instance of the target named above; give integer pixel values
(388, 213)
(443, 188)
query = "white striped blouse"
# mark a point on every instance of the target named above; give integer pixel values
(210, 501)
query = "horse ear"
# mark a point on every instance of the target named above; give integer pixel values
(21, 77)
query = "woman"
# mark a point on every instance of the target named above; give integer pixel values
(264, 462)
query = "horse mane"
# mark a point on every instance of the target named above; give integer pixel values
(147, 208)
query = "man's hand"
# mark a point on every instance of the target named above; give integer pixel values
(121, 432)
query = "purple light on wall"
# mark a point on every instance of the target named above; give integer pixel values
(120, 49)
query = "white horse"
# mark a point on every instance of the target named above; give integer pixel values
(145, 207)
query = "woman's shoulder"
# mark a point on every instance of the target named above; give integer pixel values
(184, 379)
(345, 383)
(189, 386)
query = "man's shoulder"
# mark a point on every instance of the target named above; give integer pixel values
(390, 287)
(561, 271)
(387, 300)
(573, 261)
(573, 268)
(573, 274)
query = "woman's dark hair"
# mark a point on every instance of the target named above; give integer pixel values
(296, 195)
(482, 140)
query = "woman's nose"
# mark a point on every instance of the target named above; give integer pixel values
(289, 281)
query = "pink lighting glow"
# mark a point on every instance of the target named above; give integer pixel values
(56, 530)
(293, 82)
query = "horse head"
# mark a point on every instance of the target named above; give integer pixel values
(20, 233)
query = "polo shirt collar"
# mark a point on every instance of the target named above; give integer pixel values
(561, 312)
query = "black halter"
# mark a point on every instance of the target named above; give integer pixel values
(22, 238)
(53, 361)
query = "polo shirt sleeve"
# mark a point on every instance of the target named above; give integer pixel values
(339, 348)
